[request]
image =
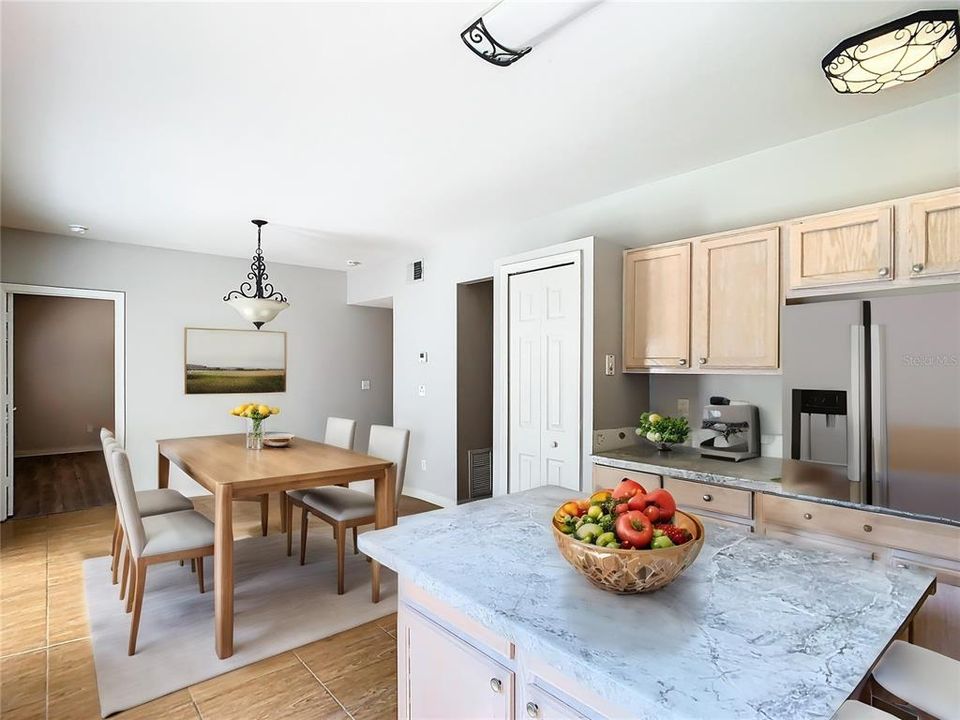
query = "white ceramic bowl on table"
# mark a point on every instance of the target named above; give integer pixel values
(277, 439)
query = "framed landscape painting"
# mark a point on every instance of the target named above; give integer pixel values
(234, 361)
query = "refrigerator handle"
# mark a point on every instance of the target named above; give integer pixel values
(878, 415)
(856, 452)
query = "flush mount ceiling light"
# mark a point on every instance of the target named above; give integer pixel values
(78, 229)
(256, 300)
(354, 263)
(894, 53)
(515, 27)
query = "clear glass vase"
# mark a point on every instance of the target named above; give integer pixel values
(254, 434)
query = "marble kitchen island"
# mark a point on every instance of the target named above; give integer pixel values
(494, 623)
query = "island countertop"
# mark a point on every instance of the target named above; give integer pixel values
(755, 628)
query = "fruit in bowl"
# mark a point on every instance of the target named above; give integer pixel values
(626, 539)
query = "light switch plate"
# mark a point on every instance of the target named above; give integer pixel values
(611, 364)
(422, 390)
(364, 384)
(683, 407)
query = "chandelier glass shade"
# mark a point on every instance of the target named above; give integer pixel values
(897, 52)
(256, 300)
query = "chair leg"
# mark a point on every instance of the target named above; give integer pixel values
(124, 573)
(356, 549)
(199, 563)
(264, 513)
(283, 511)
(140, 568)
(113, 540)
(303, 535)
(341, 542)
(288, 514)
(115, 565)
(132, 587)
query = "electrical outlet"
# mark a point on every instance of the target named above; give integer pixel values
(422, 390)
(611, 364)
(364, 384)
(683, 407)
(423, 465)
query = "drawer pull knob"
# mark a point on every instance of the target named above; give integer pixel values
(917, 267)
(703, 361)
(902, 566)
(707, 498)
(868, 528)
(496, 685)
(807, 516)
(683, 361)
(883, 272)
(533, 710)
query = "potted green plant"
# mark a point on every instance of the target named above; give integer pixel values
(663, 431)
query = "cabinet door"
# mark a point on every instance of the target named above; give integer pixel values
(656, 313)
(541, 705)
(736, 300)
(845, 247)
(934, 236)
(440, 676)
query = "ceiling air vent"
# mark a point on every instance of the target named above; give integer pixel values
(415, 271)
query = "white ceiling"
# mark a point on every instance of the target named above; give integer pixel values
(365, 128)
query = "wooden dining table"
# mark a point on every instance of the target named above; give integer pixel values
(223, 465)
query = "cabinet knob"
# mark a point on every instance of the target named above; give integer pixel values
(533, 710)
(554, 444)
(703, 361)
(902, 566)
(917, 267)
(868, 528)
(807, 516)
(496, 685)
(707, 497)
(683, 361)
(883, 272)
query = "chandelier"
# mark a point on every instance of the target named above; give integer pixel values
(894, 53)
(256, 300)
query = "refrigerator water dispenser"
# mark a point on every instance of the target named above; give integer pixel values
(819, 427)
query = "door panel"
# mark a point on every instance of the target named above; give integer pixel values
(544, 382)
(934, 236)
(736, 300)
(845, 247)
(657, 307)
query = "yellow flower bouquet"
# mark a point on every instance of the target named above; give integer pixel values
(255, 414)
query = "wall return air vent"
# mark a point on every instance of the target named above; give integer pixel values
(415, 271)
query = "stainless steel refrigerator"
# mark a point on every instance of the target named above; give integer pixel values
(873, 387)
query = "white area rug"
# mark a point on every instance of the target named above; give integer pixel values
(278, 605)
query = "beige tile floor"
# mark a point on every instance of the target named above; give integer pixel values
(46, 657)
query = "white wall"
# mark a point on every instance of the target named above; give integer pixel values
(910, 151)
(331, 346)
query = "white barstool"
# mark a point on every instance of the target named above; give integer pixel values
(856, 710)
(922, 678)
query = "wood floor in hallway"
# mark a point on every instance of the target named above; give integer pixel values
(46, 656)
(50, 484)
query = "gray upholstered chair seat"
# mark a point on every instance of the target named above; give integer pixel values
(338, 503)
(175, 532)
(165, 500)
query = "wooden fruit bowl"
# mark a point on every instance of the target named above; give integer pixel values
(632, 571)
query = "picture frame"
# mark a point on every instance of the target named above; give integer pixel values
(224, 361)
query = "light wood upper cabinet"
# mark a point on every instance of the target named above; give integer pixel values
(656, 315)
(736, 300)
(933, 239)
(845, 247)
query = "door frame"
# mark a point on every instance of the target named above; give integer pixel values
(8, 291)
(579, 253)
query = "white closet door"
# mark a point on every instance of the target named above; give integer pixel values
(544, 382)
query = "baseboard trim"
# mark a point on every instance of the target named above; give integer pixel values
(57, 451)
(428, 496)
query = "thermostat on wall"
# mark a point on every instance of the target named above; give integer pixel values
(422, 357)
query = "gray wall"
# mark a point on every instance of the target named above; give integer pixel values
(331, 346)
(62, 373)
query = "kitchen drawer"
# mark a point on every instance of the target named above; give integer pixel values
(863, 526)
(713, 498)
(542, 705)
(605, 476)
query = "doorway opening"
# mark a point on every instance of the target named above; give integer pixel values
(63, 383)
(474, 390)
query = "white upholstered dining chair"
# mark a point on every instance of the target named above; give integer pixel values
(343, 507)
(182, 535)
(151, 502)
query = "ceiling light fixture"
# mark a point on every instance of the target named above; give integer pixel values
(354, 263)
(78, 229)
(897, 52)
(515, 27)
(256, 300)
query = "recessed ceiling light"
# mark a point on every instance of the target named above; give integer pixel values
(895, 53)
(354, 263)
(78, 229)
